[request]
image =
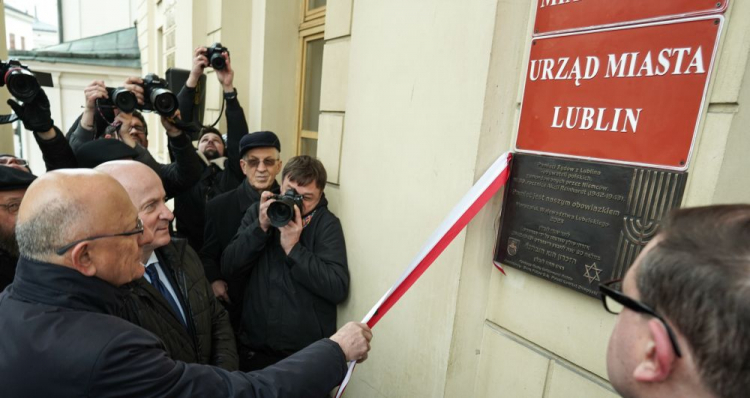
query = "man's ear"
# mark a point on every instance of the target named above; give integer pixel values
(81, 259)
(658, 360)
(243, 165)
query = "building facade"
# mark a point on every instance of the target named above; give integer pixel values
(407, 104)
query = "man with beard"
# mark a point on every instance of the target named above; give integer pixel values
(173, 300)
(222, 172)
(13, 184)
(260, 153)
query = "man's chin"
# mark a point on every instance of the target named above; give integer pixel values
(211, 154)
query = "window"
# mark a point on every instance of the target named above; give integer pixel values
(311, 32)
(11, 41)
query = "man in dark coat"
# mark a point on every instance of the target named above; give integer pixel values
(79, 239)
(260, 162)
(13, 184)
(173, 300)
(221, 172)
(294, 275)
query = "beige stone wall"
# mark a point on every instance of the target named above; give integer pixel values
(6, 133)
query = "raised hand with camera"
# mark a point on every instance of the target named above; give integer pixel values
(35, 113)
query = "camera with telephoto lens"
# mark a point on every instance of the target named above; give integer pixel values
(123, 99)
(21, 82)
(157, 97)
(214, 56)
(281, 211)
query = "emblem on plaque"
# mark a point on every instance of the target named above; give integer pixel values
(513, 244)
(592, 273)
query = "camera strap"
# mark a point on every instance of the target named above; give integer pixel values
(5, 119)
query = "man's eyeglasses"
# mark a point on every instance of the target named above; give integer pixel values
(138, 230)
(253, 163)
(11, 208)
(615, 301)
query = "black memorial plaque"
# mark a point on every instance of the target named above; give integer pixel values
(578, 223)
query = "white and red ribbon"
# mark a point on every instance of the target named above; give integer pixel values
(487, 185)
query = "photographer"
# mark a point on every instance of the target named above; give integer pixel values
(221, 161)
(294, 276)
(176, 177)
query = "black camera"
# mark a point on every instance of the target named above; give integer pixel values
(123, 99)
(214, 56)
(157, 96)
(281, 211)
(21, 82)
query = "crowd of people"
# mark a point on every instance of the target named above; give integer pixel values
(107, 292)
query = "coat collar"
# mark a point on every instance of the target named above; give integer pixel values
(248, 195)
(59, 286)
(219, 162)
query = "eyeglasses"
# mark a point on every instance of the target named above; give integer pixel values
(615, 301)
(138, 129)
(138, 230)
(9, 160)
(11, 208)
(253, 163)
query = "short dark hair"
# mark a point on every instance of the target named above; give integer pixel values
(698, 277)
(208, 129)
(305, 169)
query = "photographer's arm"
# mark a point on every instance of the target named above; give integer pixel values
(236, 122)
(323, 270)
(187, 94)
(56, 150)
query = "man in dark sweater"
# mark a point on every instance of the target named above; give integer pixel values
(293, 275)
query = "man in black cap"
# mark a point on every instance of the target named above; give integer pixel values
(260, 163)
(13, 184)
(222, 171)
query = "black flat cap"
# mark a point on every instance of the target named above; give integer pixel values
(94, 153)
(12, 179)
(259, 139)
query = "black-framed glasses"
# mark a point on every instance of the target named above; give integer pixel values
(615, 301)
(11, 208)
(138, 230)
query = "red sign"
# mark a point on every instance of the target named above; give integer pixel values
(566, 15)
(626, 95)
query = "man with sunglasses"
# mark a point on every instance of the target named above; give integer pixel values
(683, 328)
(260, 162)
(173, 300)
(80, 239)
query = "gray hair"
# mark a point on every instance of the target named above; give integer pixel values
(48, 230)
(698, 277)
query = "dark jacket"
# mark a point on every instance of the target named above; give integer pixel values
(7, 269)
(289, 301)
(209, 338)
(190, 207)
(223, 217)
(177, 177)
(61, 340)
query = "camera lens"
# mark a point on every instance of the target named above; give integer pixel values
(124, 100)
(163, 101)
(280, 212)
(22, 84)
(218, 61)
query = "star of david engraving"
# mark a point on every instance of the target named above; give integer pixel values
(588, 275)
